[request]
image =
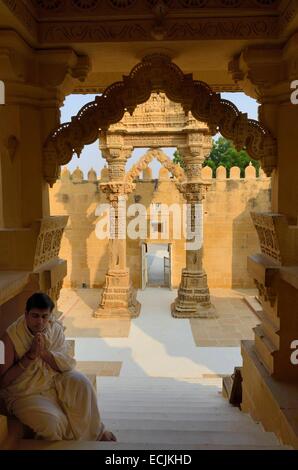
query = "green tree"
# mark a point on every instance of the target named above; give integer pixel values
(178, 159)
(223, 153)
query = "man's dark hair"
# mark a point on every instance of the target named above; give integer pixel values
(39, 300)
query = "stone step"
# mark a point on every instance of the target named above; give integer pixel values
(175, 416)
(15, 431)
(159, 382)
(164, 400)
(151, 388)
(84, 445)
(147, 392)
(154, 423)
(173, 437)
(157, 413)
(254, 305)
(167, 407)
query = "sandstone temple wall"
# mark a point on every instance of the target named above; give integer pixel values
(229, 234)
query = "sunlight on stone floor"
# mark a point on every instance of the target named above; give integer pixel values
(155, 344)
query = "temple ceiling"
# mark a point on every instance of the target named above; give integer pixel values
(202, 36)
(60, 21)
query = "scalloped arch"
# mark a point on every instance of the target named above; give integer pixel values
(157, 73)
(163, 159)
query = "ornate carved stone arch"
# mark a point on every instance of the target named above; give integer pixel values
(157, 73)
(164, 160)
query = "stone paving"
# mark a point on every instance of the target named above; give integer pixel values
(155, 344)
(235, 322)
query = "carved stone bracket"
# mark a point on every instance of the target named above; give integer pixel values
(264, 72)
(157, 73)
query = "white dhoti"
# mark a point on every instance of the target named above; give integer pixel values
(67, 411)
(55, 405)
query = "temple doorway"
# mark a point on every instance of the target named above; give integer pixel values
(156, 265)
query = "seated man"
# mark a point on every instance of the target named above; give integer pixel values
(38, 381)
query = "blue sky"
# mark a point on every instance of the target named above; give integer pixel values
(91, 156)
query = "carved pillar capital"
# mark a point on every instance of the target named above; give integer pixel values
(116, 154)
(194, 154)
(114, 191)
(194, 192)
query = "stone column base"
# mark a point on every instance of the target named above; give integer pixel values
(193, 299)
(118, 298)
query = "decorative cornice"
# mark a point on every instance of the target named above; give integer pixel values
(23, 13)
(65, 21)
(174, 30)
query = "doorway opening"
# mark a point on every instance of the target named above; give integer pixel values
(156, 265)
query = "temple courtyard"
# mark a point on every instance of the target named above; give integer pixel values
(159, 379)
(155, 344)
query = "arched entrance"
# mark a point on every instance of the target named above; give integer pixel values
(157, 73)
(154, 74)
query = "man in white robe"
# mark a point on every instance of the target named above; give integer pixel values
(38, 381)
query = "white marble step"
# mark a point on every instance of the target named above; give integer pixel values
(150, 413)
(155, 388)
(79, 445)
(147, 424)
(170, 393)
(203, 415)
(166, 407)
(171, 437)
(162, 398)
(153, 395)
(158, 382)
(150, 390)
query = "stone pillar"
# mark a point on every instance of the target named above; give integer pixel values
(36, 83)
(118, 297)
(193, 299)
(269, 386)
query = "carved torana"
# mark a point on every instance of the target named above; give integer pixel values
(154, 74)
